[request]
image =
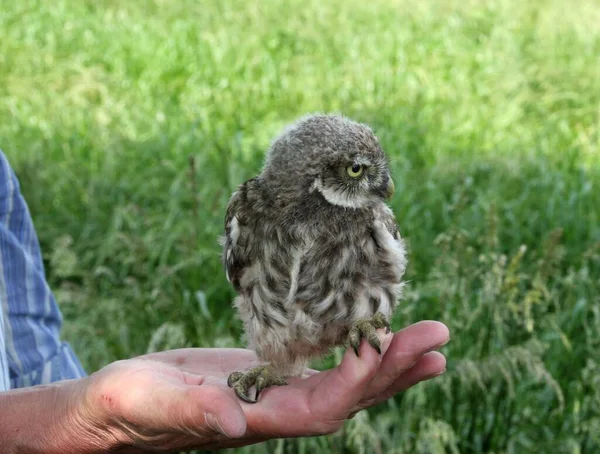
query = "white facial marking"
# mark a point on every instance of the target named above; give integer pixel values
(340, 198)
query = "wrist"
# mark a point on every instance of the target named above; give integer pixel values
(82, 427)
(51, 419)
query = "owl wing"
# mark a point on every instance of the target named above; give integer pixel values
(393, 243)
(235, 242)
(256, 276)
(392, 226)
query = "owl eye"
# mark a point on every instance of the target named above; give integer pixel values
(355, 170)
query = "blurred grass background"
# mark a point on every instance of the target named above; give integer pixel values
(130, 124)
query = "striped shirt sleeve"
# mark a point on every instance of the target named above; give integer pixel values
(31, 320)
(4, 381)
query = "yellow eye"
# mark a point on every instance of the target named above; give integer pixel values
(355, 170)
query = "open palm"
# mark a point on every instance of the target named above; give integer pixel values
(179, 399)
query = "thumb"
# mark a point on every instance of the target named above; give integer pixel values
(342, 389)
(146, 399)
(200, 407)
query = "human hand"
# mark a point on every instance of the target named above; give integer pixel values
(179, 399)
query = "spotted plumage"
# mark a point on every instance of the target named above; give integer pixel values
(311, 248)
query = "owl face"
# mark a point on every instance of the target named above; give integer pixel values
(355, 180)
(332, 156)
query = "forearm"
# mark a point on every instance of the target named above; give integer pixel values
(47, 419)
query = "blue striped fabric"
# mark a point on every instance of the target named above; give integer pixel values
(4, 380)
(31, 352)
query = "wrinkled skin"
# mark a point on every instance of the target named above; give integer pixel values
(161, 401)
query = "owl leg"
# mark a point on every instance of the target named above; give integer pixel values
(367, 328)
(260, 377)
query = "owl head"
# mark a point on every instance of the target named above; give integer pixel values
(333, 157)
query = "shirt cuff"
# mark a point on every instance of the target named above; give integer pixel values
(64, 365)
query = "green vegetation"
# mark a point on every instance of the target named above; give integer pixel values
(490, 111)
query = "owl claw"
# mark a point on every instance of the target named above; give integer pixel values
(233, 378)
(244, 397)
(260, 377)
(367, 328)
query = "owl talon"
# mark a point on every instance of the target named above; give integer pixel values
(374, 342)
(260, 377)
(354, 338)
(376, 347)
(379, 321)
(367, 328)
(240, 393)
(233, 378)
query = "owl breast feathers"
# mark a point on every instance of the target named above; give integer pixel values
(310, 245)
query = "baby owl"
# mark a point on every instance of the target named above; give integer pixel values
(312, 249)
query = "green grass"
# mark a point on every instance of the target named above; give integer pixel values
(490, 111)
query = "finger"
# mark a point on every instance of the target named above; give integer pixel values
(408, 345)
(342, 388)
(430, 365)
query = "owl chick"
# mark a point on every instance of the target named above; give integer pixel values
(312, 249)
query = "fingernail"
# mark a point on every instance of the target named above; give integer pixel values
(353, 414)
(440, 345)
(437, 374)
(445, 342)
(213, 423)
(386, 341)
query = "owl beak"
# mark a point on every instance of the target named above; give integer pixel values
(391, 188)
